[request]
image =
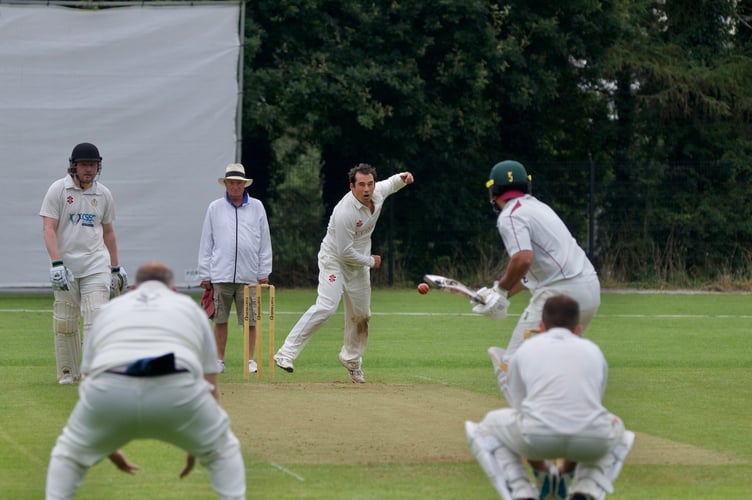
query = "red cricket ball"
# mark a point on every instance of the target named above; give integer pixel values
(423, 288)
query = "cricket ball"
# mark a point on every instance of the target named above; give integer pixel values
(423, 288)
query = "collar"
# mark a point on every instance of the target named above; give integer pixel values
(242, 203)
(71, 184)
(509, 195)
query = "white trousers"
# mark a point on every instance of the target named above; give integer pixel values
(591, 449)
(585, 290)
(336, 282)
(114, 409)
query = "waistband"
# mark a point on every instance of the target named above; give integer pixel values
(149, 367)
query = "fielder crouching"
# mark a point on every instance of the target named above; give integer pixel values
(556, 382)
(150, 372)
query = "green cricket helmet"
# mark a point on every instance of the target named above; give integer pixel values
(505, 176)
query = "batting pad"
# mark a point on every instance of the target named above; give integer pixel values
(90, 304)
(65, 322)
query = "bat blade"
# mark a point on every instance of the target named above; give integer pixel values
(451, 285)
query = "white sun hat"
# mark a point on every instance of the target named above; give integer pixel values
(235, 171)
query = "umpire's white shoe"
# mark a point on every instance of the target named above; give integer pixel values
(284, 363)
(354, 369)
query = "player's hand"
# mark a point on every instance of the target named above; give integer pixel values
(496, 305)
(190, 461)
(119, 279)
(60, 276)
(407, 177)
(122, 463)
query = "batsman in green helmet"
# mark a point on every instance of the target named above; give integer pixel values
(544, 258)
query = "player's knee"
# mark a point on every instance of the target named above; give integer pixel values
(65, 318)
(90, 304)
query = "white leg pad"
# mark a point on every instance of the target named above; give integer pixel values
(482, 448)
(90, 304)
(66, 323)
(500, 368)
(515, 473)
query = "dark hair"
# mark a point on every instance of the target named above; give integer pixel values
(155, 271)
(361, 168)
(561, 311)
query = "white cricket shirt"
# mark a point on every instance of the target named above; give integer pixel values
(558, 379)
(526, 223)
(150, 321)
(80, 215)
(348, 234)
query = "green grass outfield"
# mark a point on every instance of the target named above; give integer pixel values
(680, 377)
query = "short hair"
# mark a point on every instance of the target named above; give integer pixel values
(155, 271)
(361, 168)
(561, 311)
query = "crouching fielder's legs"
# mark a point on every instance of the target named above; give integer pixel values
(503, 467)
(226, 470)
(597, 479)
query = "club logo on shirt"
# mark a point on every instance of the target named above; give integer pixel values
(69, 200)
(332, 278)
(83, 219)
(359, 223)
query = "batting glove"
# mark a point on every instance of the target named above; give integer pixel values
(119, 279)
(504, 293)
(496, 304)
(60, 276)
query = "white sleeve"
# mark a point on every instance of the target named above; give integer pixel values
(390, 185)
(206, 243)
(265, 248)
(345, 237)
(514, 232)
(50, 208)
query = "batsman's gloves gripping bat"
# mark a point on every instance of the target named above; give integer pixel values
(118, 280)
(496, 304)
(60, 276)
(453, 286)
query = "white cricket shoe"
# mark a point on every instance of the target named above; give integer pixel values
(252, 367)
(220, 366)
(284, 363)
(66, 379)
(354, 369)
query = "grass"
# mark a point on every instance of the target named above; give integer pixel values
(679, 377)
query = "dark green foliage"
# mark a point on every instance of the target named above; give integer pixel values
(658, 96)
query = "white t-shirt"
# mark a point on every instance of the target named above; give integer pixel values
(348, 234)
(150, 321)
(557, 380)
(80, 215)
(526, 223)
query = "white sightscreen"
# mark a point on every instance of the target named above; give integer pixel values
(154, 88)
